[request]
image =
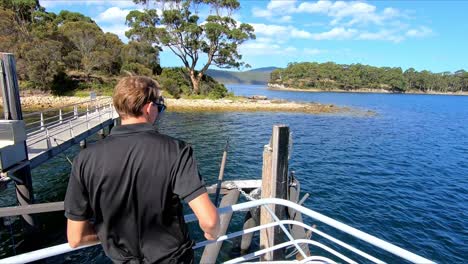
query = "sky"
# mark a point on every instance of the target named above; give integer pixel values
(425, 35)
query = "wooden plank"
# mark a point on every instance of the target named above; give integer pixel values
(297, 232)
(210, 253)
(274, 185)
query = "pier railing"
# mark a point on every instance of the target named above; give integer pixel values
(40, 121)
(372, 240)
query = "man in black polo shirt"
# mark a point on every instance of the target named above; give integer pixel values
(125, 190)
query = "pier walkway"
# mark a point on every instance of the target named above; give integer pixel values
(50, 132)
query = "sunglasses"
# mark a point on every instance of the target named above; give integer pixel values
(160, 104)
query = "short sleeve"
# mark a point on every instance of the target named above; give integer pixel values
(76, 198)
(186, 181)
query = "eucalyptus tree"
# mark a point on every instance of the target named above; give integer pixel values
(180, 29)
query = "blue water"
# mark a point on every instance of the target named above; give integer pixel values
(401, 175)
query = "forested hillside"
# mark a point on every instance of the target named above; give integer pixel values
(63, 52)
(332, 76)
(254, 76)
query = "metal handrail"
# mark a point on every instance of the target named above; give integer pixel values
(66, 106)
(38, 129)
(64, 248)
(68, 128)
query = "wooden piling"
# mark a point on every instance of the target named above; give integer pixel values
(211, 252)
(274, 184)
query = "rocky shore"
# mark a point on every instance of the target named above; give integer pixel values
(221, 105)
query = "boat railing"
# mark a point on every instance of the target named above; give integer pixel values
(266, 203)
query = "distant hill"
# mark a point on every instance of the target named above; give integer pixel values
(254, 76)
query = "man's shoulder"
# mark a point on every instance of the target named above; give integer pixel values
(150, 139)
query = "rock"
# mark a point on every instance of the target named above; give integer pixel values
(258, 97)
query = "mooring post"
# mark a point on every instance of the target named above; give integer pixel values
(274, 185)
(83, 144)
(101, 134)
(10, 89)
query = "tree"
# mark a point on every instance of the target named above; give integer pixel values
(86, 38)
(141, 53)
(43, 62)
(180, 30)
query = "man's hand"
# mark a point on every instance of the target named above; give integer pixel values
(80, 233)
(207, 215)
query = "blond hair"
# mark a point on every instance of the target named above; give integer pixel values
(132, 93)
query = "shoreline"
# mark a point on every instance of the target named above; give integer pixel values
(241, 104)
(278, 87)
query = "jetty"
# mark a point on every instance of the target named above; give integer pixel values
(288, 231)
(29, 140)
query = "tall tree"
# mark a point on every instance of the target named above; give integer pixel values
(180, 30)
(87, 38)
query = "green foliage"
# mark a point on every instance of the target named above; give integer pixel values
(42, 57)
(327, 76)
(176, 81)
(180, 30)
(68, 52)
(136, 69)
(62, 84)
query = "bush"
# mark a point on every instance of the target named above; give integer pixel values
(136, 68)
(62, 84)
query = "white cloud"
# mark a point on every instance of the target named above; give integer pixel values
(284, 6)
(119, 30)
(355, 12)
(313, 52)
(285, 19)
(317, 7)
(419, 32)
(258, 12)
(386, 35)
(280, 32)
(113, 14)
(276, 8)
(339, 33)
(116, 3)
(296, 33)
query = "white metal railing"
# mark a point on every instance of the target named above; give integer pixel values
(62, 116)
(65, 248)
(47, 130)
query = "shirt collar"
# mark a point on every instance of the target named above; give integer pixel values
(132, 128)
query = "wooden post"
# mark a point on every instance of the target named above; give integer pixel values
(83, 144)
(274, 185)
(10, 88)
(210, 254)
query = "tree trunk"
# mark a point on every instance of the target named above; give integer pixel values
(195, 83)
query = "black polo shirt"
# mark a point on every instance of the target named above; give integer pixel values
(130, 184)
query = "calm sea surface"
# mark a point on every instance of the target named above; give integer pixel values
(401, 175)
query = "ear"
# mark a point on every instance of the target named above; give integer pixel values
(147, 109)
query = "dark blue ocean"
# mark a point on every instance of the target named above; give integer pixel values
(401, 175)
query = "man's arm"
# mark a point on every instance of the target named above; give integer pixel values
(80, 233)
(207, 215)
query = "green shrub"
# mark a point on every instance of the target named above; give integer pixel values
(62, 84)
(136, 68)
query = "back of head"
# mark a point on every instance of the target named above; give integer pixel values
(132, 93)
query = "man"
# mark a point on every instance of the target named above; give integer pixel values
(125, 190)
